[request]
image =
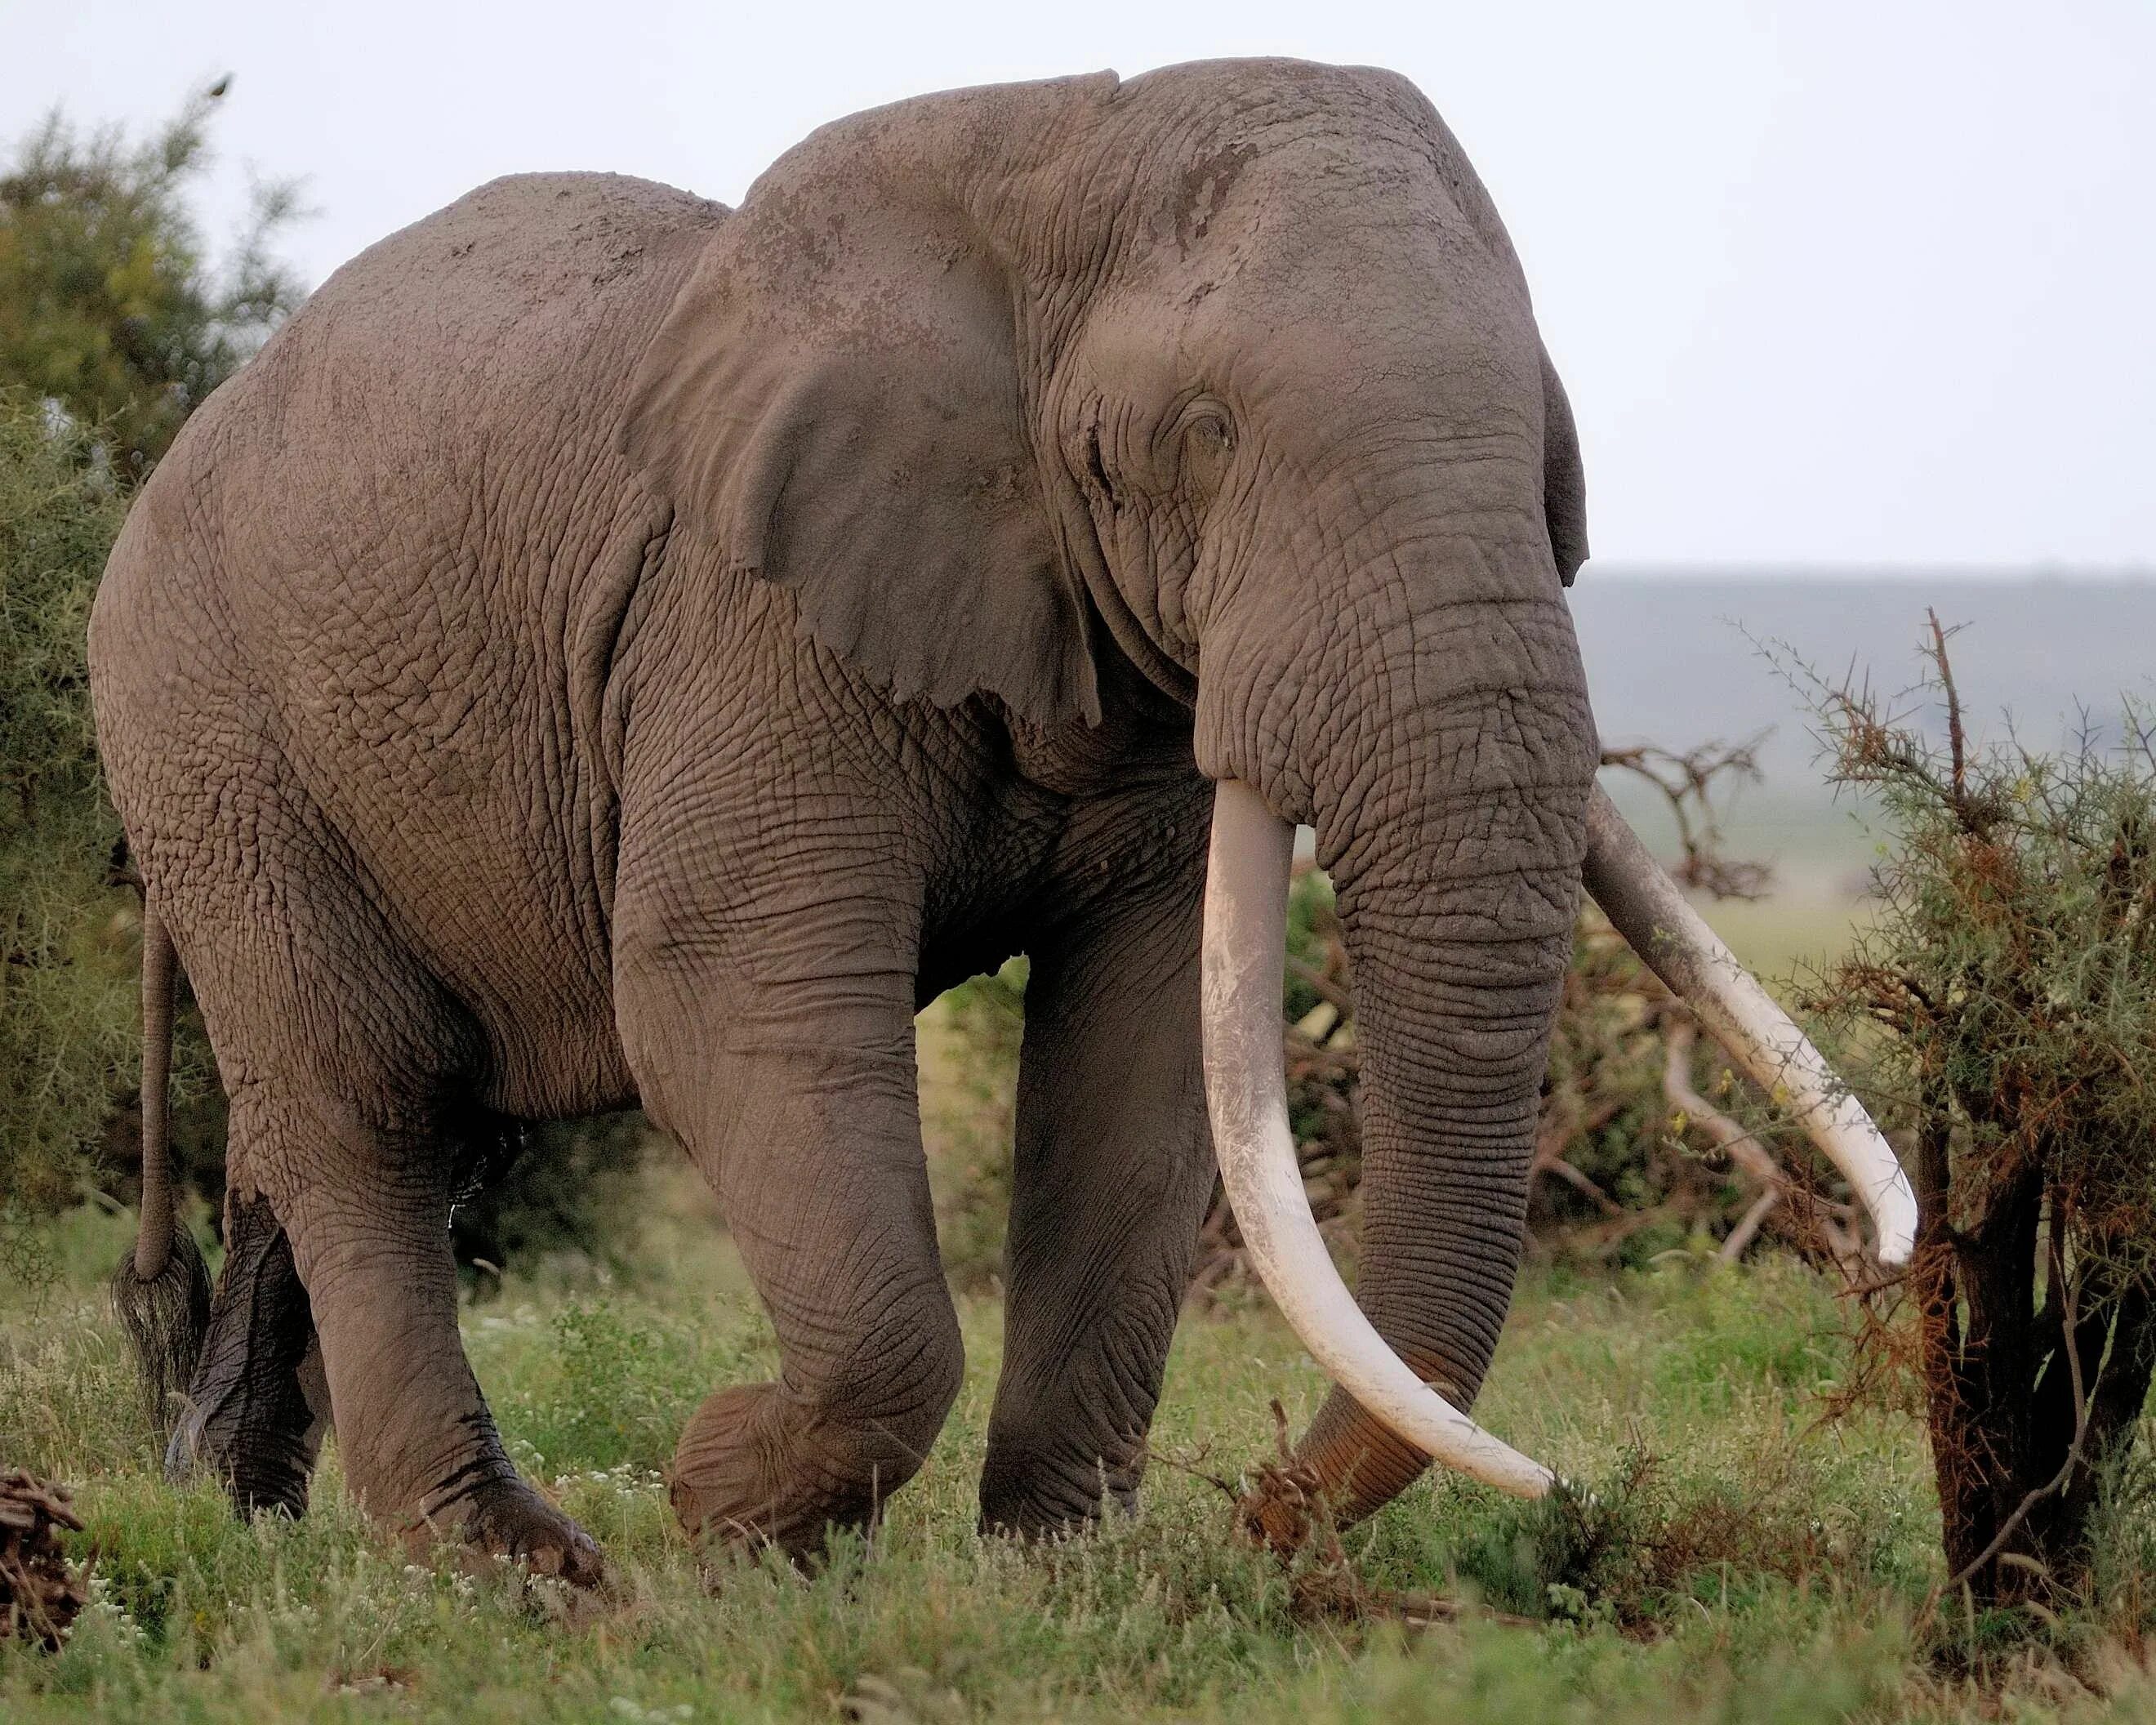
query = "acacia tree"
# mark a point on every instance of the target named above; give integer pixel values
(109, 305)
(2004, 1007)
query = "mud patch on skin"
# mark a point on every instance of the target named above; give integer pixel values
(1202, 190)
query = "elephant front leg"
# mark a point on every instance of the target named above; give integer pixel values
(259, 1405)
(1113, 1170)
(808, 1129)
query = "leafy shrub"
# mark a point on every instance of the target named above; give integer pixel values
(627, 1387)
(67, 1024)
(621, 1377)
(113, 327)
(108, 306)
(1654, 1532)
(574, 1187)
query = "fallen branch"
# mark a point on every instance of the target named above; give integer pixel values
(1740, 1146)
(1553, 1163)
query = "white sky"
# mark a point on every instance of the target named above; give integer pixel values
(1829, 282)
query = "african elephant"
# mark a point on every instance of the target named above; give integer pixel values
(611, 648)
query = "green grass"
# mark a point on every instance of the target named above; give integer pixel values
(1762, 1568)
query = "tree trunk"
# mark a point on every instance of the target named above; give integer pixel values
(2021, 1430)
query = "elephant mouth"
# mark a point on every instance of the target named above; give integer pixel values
(1244, 940)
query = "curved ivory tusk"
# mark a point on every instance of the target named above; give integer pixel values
(1643, 905)
(1246, 936)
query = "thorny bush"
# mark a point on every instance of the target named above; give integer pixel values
(2001, 1011)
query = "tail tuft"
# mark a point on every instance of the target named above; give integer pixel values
(166, 1316)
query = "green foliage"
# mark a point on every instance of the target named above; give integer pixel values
(67, 1033)
(1321, 1067)
(627, 1386)
(1604, 1111)
(107, 304)
(1313, 931)
(1631, 1548)
(575, 1187)
(2013, 965)
(112, 329)
(969, 1053)
(622, 1383)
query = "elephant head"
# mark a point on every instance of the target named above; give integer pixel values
(1229, 370)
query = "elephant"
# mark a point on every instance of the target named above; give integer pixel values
(609, 648)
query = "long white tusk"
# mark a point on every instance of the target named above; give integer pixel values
(1245, 933)
(1643, 905)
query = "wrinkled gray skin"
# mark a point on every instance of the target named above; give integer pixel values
(610, 648)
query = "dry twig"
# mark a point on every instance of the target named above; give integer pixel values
(39, 1595)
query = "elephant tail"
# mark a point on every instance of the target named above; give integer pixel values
(162, 1292)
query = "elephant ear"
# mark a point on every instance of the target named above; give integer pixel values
(1564, 481)
(834, 402)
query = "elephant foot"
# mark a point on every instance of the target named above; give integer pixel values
(507, 1518)
(264, 1472)
(755, 1466)
(259, 1404)
(1037, 1497)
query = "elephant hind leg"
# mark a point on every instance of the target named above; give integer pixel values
(258, 1405)
(369, 1230)
(351, 1070)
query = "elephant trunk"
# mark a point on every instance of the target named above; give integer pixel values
(1457, 921)
(1454, 993)
(1449, 791)
(1245, 900)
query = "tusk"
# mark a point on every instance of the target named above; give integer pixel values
(1645, 906)
(1245, 939)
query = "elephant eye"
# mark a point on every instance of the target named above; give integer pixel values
(1208, 437)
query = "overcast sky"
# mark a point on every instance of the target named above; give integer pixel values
(1830, 283)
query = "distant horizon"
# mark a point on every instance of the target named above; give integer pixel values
(1679, 661)
(2032, 573)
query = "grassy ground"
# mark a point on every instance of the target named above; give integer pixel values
(1762, 1570)
(1743, 1559)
